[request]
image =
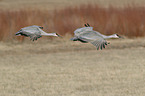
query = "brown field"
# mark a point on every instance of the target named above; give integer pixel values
(60, 67)
(65, 68)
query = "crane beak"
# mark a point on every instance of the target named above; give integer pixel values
(119, 36)
(58, 35)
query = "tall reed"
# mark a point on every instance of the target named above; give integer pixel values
(128, 21)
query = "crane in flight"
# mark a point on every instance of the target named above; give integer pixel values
(87, 34)
(34, 32)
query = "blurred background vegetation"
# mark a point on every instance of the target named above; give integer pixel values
(123, 18)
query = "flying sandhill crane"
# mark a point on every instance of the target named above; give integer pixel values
(87, 34)
(34, 32)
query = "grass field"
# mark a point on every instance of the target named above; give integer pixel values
(66, 68)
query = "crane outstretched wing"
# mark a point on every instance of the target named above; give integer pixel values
(82, 30)
(33, 33)
(99, 43)
(94, 38)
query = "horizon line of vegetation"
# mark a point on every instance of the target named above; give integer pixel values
(128, 21)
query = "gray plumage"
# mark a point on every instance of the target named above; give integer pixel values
(34, 32)
(33, 27)
(87, 34)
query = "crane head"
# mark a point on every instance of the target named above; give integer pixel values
(57, 35)
(118, 36)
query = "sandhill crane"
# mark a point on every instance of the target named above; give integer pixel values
(87, 34)
(34, 32)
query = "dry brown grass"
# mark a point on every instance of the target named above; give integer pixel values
(128, 21)
(66, 68)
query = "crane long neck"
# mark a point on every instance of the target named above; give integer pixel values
(47, 34)
(108, 37)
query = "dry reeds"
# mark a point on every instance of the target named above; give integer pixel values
(128, 21)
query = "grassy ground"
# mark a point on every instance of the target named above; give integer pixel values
(65, 68)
